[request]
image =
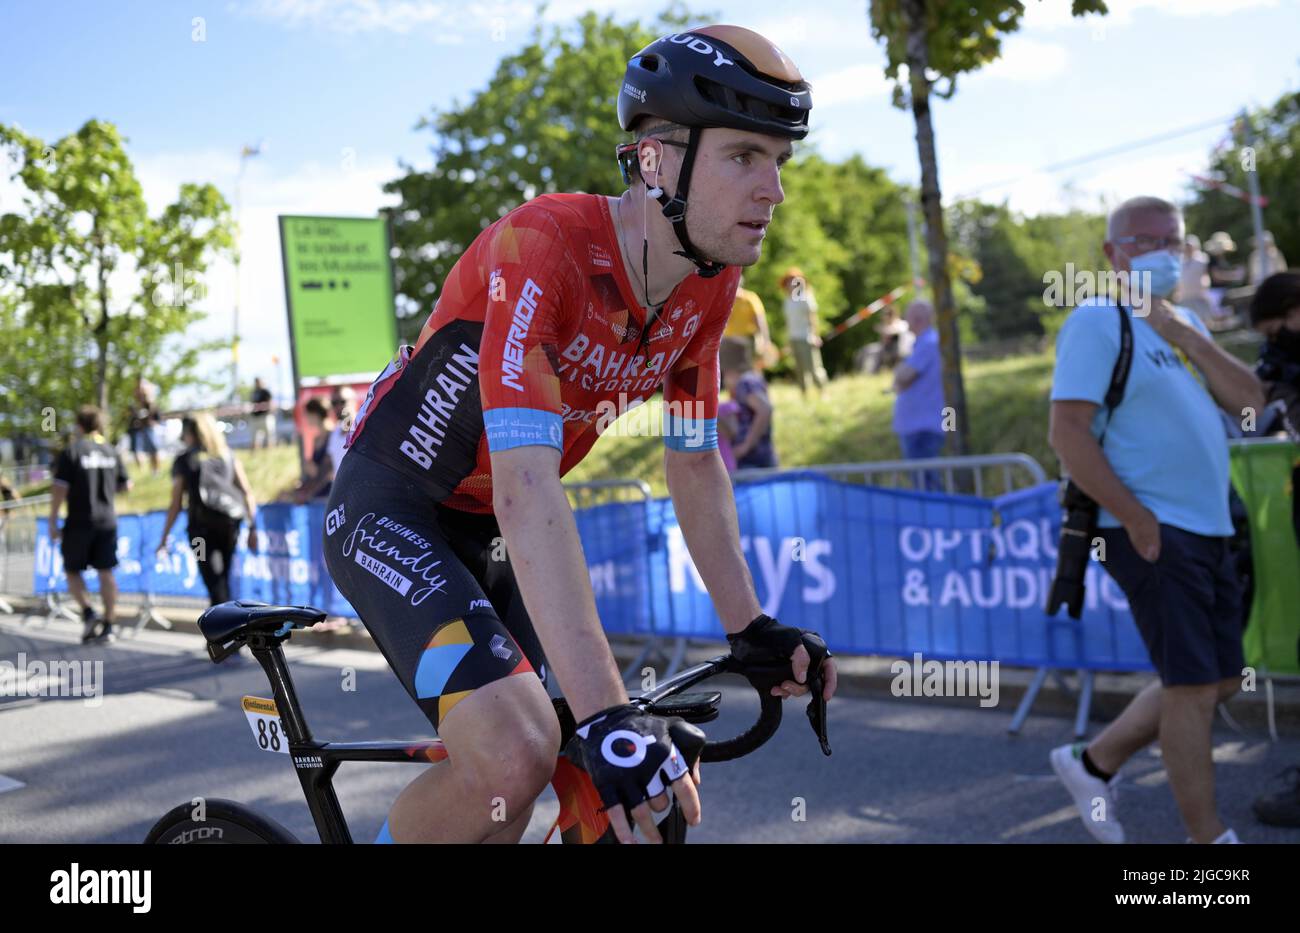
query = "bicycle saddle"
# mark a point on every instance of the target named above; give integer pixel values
(225, 621)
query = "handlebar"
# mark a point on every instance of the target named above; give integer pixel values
(770, 710)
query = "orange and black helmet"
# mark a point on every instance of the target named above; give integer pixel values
(716, 76)
(713, 76)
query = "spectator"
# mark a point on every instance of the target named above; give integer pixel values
(320, 474)
(1276, 261)
(9, 494)
(343, 408)
(140, 425)
(87, 475)
(748, 325)
(262, 416)
(918, 410)
(1275, 313)
(1160, 476)
(801, 329)
(752, 443)
(207, 477)
(1223, 274)
(1195, 280)
(728, 431)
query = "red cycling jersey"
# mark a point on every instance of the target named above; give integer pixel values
(538, 338)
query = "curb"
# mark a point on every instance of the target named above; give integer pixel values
(872, 677)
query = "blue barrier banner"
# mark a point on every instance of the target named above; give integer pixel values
(616, 541)
(288, 567)
(893, 572)
(876, 571)
(49, 576)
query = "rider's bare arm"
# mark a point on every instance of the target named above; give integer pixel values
(706, 511)
(541, 539)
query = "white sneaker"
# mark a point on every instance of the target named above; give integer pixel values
(1229, 837)
(1087, 791)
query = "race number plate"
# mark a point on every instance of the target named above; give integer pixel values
(264, 720)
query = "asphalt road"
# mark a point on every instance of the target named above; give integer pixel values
(169, 727)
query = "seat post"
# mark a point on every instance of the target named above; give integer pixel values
(266, 649)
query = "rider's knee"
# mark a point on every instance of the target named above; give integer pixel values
(512, 761)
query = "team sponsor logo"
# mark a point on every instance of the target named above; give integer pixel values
(633, 91)
(383, 558)
(600, 257)
(512, 358)
(426, 435)
(696, 44)
(599, 369)
(690, 327)
(98, 460)
(500, 648)
(334, 521)
(307, 761)
(479, 604)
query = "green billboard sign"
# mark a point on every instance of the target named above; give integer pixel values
(338, 284)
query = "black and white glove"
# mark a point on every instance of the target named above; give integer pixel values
(631, 755)
(764, 650)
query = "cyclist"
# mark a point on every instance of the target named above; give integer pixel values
(448, 516)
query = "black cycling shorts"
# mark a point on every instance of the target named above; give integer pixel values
(85, 546)
(433, 585)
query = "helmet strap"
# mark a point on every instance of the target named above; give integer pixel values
(674, 208)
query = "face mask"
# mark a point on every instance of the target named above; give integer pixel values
(1164, 268)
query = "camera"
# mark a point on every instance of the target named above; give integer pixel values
(1078, 527)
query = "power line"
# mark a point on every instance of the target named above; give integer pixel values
(1104, 154)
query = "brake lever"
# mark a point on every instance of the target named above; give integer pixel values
(817, 710)
(765, 677)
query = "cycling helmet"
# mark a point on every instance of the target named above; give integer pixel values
(713, 76)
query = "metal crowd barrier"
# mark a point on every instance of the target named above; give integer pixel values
(984, 475)
(18, 552)
(18, 562)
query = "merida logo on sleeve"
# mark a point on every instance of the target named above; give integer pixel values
(512, 358)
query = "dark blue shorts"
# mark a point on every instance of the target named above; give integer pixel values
(1187, 605)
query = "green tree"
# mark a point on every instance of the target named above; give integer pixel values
(1014, 254)
(844, 225)
(95, 290)
(1276, 156)
(544, 123)
(937, 41)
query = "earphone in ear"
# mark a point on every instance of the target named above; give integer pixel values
(654, 192)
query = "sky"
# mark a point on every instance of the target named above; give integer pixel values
(332, 91)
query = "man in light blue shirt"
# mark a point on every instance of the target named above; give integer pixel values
(918, 411)
(1160, 475)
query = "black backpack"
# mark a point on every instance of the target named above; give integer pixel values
(219, 500)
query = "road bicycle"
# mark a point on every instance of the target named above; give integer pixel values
(280, 726)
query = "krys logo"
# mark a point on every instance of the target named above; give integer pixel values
(387, 562)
